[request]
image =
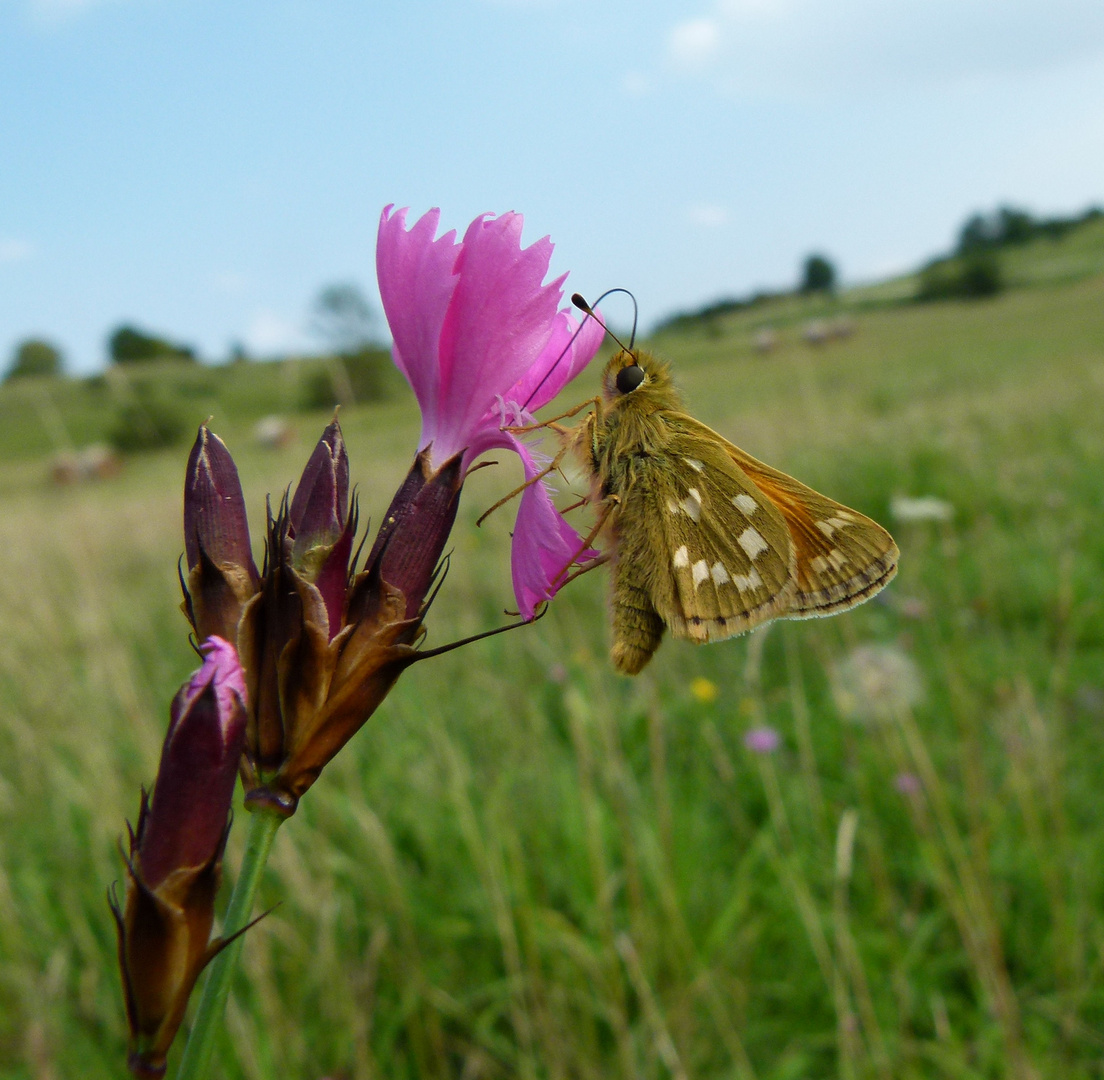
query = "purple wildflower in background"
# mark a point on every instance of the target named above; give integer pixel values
(907, 783)
(762, 740)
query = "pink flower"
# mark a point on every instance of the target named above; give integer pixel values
(762, 740)
(908, 783)
(483, 345)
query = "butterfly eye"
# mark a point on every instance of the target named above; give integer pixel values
(629, 378)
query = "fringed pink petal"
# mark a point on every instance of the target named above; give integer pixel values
(498, 322)
(561, 359)
(544, 544)
(417, 279)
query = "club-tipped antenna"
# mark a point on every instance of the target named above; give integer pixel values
(556, 363)
(582, 305)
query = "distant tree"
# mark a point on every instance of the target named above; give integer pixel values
(1006, 225)
(818, 275)
(975, 235)
(343, 318)
(981, 277)
(973, 276)
(1015, 226)
(129, 345)
(35, 357)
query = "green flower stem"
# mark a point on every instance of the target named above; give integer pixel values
(216, 989)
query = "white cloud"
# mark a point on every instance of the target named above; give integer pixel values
(826, 46)
(13, 251)
(709, 215)
(695, 44)
(270, 332)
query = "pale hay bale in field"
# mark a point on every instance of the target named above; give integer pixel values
(100, 462)
(816, 333)
(274, 432)
(95, 462)
(765, 341)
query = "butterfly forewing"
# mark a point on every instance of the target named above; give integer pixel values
(722, 559)
(842, 557)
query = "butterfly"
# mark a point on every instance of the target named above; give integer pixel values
(705, 540)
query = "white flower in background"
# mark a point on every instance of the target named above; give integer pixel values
(925, 508)
(876, 682)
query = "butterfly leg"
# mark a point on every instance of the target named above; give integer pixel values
(551, 422)
(552, 467)
(611, 505)
(598, 560)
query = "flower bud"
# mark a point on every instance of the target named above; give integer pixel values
(175, 862)
(221, 573)
(416, 527)
(320, 527)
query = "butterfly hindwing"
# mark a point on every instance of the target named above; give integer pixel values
(842, 557)
(716, 558)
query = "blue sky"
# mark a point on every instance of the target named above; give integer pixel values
(203, 169)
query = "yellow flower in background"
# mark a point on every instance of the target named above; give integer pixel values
(703, 690)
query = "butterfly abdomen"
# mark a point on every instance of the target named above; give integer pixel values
(637, 628)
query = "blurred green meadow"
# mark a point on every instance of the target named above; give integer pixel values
(528, 866)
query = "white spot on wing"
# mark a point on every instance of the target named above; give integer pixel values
(827, 527)
(837, 558)
(700, 572)
(694, 464)
(752, 542)
(819, 564)
(720, 573)
(743, 582)
(681, 559)
(745, 504)
(692, 504)
(672, 506)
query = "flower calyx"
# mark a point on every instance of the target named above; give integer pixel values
(175, 858)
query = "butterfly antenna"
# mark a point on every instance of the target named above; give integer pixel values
(583, 306)
(556, 364)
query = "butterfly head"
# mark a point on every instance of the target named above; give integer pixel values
(636, 376)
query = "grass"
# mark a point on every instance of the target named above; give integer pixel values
(527, 866)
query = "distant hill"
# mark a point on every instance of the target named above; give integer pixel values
(1006, 248)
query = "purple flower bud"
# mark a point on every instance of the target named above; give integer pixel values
(214, 507)
(176, 857)
(320, 508)
(762, 740)
(416, 528)
(221, 573)
(319, 524)
(199, 764)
